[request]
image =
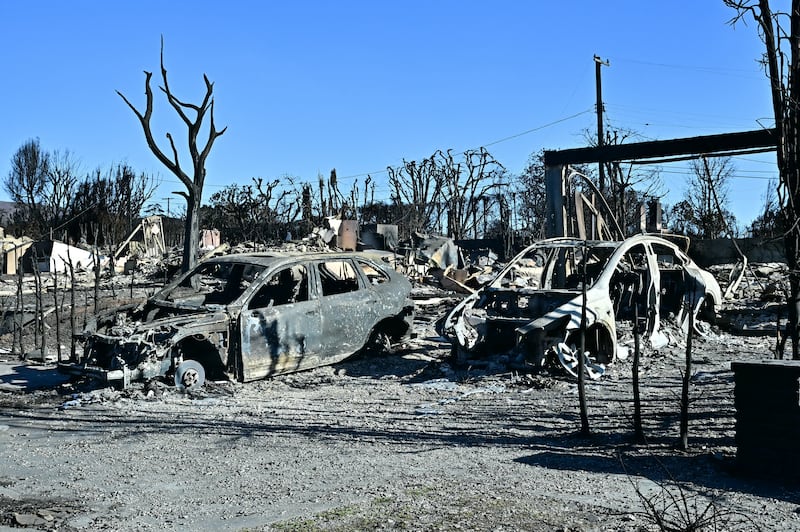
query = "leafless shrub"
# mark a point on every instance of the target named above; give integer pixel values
(678, 507)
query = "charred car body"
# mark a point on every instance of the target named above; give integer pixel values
(533, 307)
(250, 316)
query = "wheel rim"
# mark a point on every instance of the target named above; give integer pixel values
(568, 358)
(190, 374)
(379, 343)
(189, 378)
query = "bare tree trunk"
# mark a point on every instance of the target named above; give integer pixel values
(790, 173)
(191, 235)
(785, 90)
(193, 184)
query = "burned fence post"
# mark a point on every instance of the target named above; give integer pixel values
(38, 321)
(72, 356)
(19, 311)
(637, 402)
(57, 314)
(581, 355)
(687, 376)
(781, 335)
(97, 273)
(85, 304)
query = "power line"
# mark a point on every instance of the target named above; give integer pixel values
(538, 128)
(494, 142)
(735, 72)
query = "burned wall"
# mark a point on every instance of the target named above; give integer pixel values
(722, 251)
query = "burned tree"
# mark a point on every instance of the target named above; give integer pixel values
(27, 181)
(701, 213)
(532, 203)
(417, 187)
(62, 180)
(782, 63)
(262, 211)
(467, 186)
(108, 204)
(193, 184)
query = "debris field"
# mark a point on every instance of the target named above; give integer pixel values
(408, 440)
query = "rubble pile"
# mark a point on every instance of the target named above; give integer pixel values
(442, 271)
(757, 305)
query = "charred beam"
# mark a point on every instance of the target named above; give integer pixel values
(704, 145)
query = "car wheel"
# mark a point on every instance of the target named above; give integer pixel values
(190, 374)
(708, 311)
(379, 343)
(567, 356)
(458, 355)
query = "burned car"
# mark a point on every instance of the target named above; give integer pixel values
(533, 307)
(251, 316)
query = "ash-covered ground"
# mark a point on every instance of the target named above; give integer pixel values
(399, 442)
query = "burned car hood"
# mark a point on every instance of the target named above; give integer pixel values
(187, 322)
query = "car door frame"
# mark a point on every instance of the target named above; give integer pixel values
(347, 318)
(283, 338)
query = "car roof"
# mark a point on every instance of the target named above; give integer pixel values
(272, 258)
(570, 241)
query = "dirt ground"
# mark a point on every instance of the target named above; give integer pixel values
(397, 442)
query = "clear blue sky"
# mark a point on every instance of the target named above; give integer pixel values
(307, 86)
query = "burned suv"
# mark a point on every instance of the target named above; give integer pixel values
(250, 316)
(533, 307)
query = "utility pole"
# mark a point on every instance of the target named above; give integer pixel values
(597, 64)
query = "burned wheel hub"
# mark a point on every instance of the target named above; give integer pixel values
(190, 374)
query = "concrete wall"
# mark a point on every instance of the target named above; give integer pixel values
(721, 251)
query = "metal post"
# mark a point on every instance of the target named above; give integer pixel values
(555, 183)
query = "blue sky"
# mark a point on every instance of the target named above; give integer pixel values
(307, 86)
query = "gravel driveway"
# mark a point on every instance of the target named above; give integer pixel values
(402, 442)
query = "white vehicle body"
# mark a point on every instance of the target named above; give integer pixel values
(534, 304)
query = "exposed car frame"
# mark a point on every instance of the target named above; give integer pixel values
(251, 316)
(533, 306)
